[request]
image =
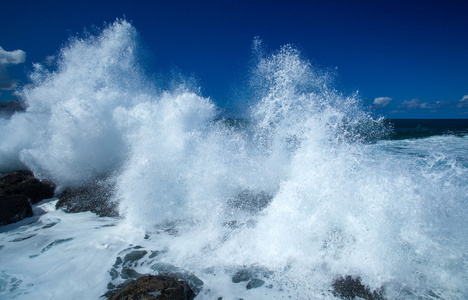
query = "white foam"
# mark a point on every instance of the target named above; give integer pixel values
(299, 194)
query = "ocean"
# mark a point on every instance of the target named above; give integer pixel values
(306, 188)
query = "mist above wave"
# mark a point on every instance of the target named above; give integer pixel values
(297, 189)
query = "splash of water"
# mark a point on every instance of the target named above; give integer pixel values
(296, 194)
(68, 133)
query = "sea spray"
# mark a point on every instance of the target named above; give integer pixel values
(284, 204)
(303, 195)
(163, 136)
(68, 133)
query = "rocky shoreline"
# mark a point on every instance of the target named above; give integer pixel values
(20, 190)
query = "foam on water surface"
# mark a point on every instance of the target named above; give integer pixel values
(59, 256)
(282, 205)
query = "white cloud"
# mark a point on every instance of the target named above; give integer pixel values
(411, 104)
(382, 101)
(8, 58)
(12, 57)
(417, 104)
(463, 102)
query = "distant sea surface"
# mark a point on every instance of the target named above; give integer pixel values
(420, 128)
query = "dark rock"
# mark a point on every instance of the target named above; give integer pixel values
(124, 268)
(248, 273)
(194, 282)
(17, 191)
(250, 201)
(114, 274)
(20, 239)
(242, 275)
(15, 177)
(96, 198)
(134, 256)
(37, 190)
(255, 283)
(130, 260)
(56, 243)
(155, 253)
(8, 108)
(24, 183)
(351, 287)
(127, 273)
(159, 287)
(14, 208)
(118, 261)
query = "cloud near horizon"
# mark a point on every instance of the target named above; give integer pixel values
(8, 58)
(463, 102)
(382, 101)
(412, 104)
(416, 103)
(12, 57)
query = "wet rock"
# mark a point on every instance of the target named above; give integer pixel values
(255, 283)
(56, 243)
(134, 256)
(249, 273)
(129, 261)
(194, 282)
(250, 201)
(155, 287)
(114, 275)
(118, 261)
(14, 208)
(8, 108)
(127, 266)
(20, 239)
(15, 177)
(96, 198)
(24, 183)
(128, 273)
(349, 287)
(155, 253)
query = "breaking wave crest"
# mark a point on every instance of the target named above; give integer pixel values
(303, 188)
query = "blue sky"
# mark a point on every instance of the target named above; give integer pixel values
(407, 59)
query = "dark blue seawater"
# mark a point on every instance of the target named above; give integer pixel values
(421, 128)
